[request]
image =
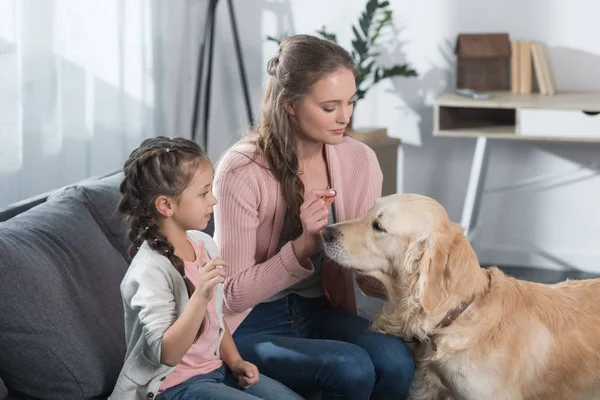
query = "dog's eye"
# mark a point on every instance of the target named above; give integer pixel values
(377, 226)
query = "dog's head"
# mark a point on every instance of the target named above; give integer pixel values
(407, 242)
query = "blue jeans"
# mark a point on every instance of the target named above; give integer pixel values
(222, 385)
(309, 346)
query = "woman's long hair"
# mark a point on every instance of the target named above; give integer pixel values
(302, 60)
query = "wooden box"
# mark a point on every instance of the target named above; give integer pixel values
(483, 62)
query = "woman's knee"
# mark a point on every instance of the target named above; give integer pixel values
(351, 369)
(394, 362)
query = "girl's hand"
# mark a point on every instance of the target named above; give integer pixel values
(209, 276)
(246, 373)
(314, 216)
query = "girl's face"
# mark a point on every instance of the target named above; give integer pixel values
(192, 209)
(323, 114)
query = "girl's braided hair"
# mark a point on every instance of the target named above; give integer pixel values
(161, 166)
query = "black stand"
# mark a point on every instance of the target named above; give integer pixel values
(209, 38)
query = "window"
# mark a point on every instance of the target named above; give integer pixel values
(77, 90)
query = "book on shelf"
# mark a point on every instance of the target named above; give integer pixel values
(530, 59)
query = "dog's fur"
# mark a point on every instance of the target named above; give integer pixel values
(516, 340)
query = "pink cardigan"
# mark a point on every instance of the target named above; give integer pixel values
(249, 218)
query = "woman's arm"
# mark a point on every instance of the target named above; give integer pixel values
(236, 224)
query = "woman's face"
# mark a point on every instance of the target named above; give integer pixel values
(323, 114)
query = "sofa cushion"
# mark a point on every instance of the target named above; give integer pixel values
(101, 197)
(61, 314)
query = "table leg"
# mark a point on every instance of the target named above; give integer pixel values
(475, 188)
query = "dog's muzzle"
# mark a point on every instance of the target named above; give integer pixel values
(329, 234)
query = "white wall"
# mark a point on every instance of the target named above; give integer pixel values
(555, 224)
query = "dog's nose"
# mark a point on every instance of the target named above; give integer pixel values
(329, 233)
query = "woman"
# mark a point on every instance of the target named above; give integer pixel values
(292, 311)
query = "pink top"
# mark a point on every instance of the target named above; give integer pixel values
(249, 218)
(202, 357)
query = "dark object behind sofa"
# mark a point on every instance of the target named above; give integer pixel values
(3, 390)
(61, 264)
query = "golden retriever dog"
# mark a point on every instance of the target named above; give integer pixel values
(476, 333)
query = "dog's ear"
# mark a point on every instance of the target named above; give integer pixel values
(432, 281)
(413, 255)
(427, 258)
(461, 260)
(445, 266)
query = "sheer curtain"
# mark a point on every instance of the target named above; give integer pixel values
(82, 82)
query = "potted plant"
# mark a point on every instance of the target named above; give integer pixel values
(375, 17)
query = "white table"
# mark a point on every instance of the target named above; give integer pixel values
(563, 117)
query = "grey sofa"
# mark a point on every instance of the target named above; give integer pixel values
(61, 317)
(62, 258)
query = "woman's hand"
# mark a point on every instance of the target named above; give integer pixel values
(314, 214)
(246, 373)
(209, 276)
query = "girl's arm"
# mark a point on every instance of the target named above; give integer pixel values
(246, 373)
(146, 290)
(228, 350)
(180, 336)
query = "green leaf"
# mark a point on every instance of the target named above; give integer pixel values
(366, 70)
(359, 44)
(383, 4)
(371, 6)
(357, 47)
(363, 72)
(357, 34)
(360, 94)
(364, 23)
(387, 18)
(359, 82)
(327, 35)
(398, 70)
(275, 39)
(272, 39)
(367, 17)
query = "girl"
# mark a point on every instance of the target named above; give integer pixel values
(178, 346)
(296, 310)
